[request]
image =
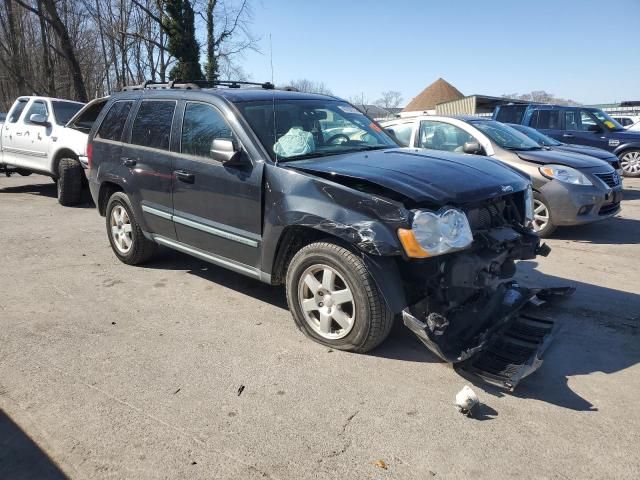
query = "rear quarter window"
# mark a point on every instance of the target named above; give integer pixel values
(152, 126)
(113, 124)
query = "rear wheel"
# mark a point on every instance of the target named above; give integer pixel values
(630, 163)
(542, 220)
(125, 235)
(69, 182)
(334, 300)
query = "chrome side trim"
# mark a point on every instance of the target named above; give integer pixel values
(215, 231)
(208, 257)
(21, 151)
(157, 213)
(200, 226)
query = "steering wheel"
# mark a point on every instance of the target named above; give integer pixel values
(331, 140)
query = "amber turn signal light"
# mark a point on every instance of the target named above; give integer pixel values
(410, 244)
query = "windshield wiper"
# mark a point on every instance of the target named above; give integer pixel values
(308, 155)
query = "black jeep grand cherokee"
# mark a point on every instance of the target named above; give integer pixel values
(305, 190)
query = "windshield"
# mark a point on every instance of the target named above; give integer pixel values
(63, 111)
(606, 120)
(299, 129)
(505, 136)
(536, 136)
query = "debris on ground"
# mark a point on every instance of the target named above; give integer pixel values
(240, 390)
(381, 464)
(467, 401)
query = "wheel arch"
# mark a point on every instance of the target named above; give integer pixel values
(64, 152)
(107, 189)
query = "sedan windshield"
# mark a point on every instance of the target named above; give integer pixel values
(297, 129)
(536, 136)
(505, 136)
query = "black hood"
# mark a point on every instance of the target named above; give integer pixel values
(586, 150)
(440, 178)
(568, 159)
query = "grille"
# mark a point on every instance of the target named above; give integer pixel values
(607, 209)
(487, 216)
(611, 179)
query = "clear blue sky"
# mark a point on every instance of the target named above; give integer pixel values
(585, 50)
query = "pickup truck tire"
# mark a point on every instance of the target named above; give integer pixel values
(69, 182)
(542, 218)
(124, 232)
(334, 300)
(630, 163)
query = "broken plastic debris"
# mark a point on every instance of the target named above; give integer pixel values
(467, 401)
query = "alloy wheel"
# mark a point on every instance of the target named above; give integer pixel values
(327, 302)
(121, 229)
(630, 162)
(540, 215)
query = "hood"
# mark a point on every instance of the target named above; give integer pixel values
(440, 178)
(586, 150)
(568, 159)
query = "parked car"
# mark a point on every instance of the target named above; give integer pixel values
(359, 230)
(627, 121)
(49, 136)
(578, 125)
(569, 188)
(553, 144)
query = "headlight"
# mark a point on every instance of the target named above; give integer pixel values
(564, 174)
(528, 205)
(436, 233)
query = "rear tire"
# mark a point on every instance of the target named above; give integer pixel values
(630, 163)
(334, 300)
(542, 218)
(124, 232)
(69, 182)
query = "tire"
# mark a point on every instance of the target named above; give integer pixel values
(69, 182)
(630, 163)
(129, 244)
(541, 209)
(370, 319)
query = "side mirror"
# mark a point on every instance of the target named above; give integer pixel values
(224, 150)
(473, 148)
(38, 119)
(595, 128)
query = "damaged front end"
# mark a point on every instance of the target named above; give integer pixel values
(467, 308)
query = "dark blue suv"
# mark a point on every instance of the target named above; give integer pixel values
(578, 125)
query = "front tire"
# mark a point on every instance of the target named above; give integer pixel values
(630, 163)
(334, 300)
(542, 218)
(124, 232)
(69, 182)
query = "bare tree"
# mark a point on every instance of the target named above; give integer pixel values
(389, 99)
(540, 96)
(310, 86)
(361, 102)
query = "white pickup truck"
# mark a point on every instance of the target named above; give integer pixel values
(49, 136)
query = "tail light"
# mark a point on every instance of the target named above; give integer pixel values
(90, 155)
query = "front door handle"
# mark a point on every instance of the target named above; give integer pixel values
(128, 162)
(185, 176)
(567, 135)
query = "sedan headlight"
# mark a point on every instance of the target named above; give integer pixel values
(436, 233)
(564, 174)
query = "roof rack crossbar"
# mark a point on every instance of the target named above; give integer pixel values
(195, 84)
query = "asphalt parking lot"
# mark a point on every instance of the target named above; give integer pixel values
(111, 371)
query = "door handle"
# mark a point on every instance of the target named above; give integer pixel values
(128, 162)
(185, 176)
(19, 134)
(567, 135)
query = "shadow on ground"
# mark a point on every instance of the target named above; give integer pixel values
(47, 189)
(20, 457)
(613, 231)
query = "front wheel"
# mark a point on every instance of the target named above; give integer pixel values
(630, 163)
(125, 235)
(334, 300)
(542, 219)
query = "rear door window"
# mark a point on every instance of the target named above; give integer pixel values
(546, 119)
(113, 124)
(152, 126)
(201, 125)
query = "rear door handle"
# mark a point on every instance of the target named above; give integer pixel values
(128, 162)
(567, 135)
(185, 176)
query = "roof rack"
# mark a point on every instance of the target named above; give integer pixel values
(196, 85)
